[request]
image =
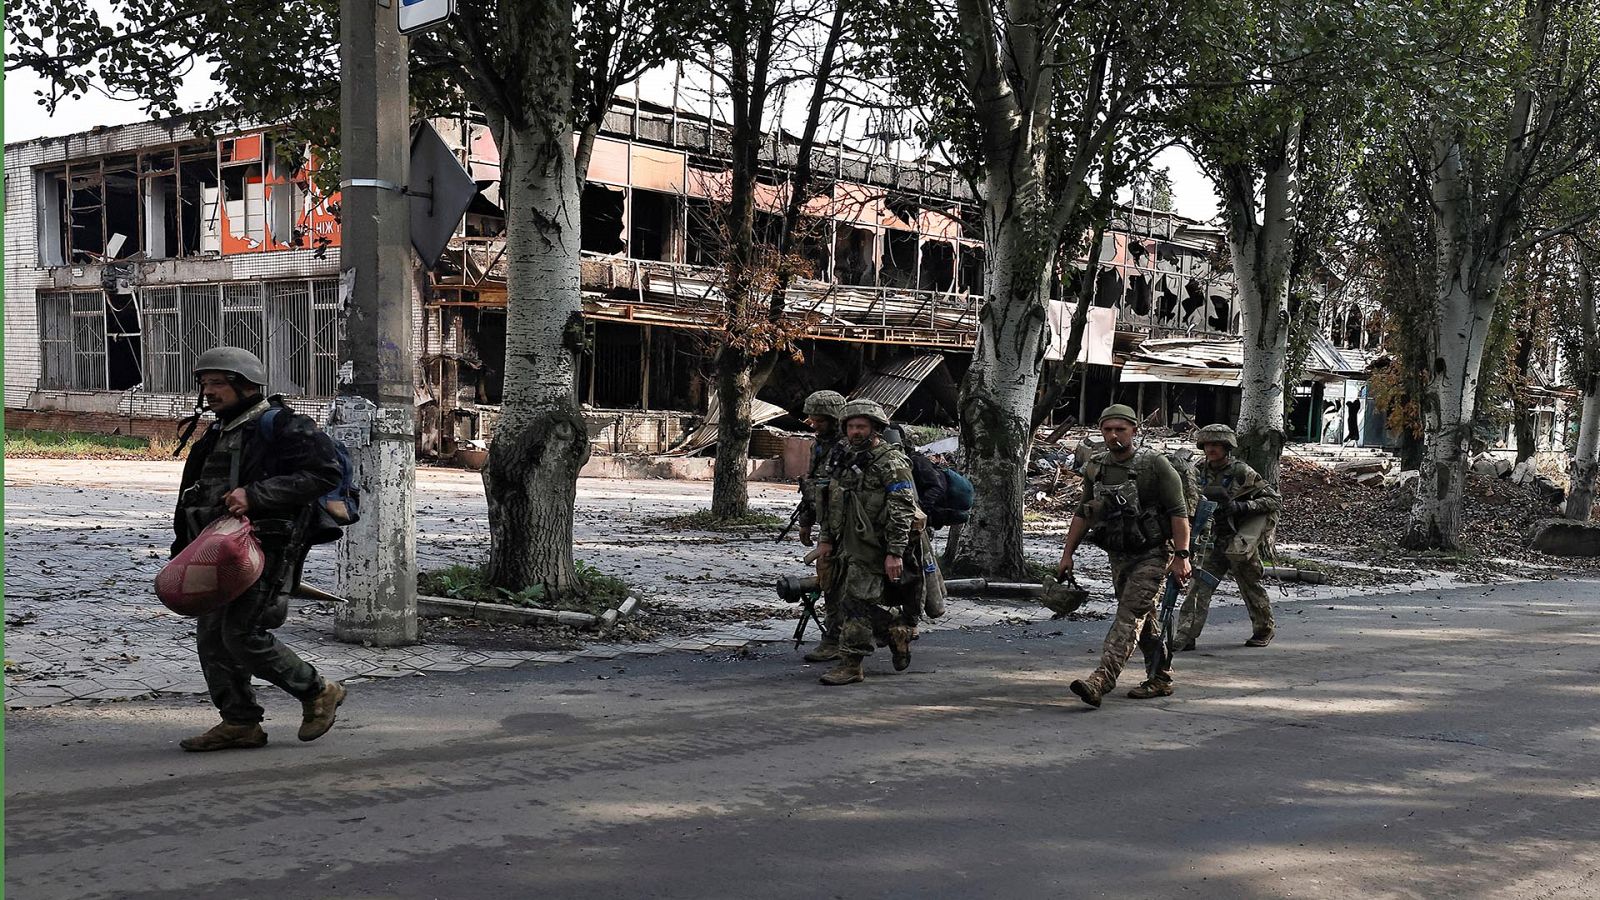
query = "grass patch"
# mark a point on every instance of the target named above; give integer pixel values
(23, 443)
(705, 520)
(597, 591)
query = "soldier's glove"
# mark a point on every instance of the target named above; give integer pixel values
(1226, 507)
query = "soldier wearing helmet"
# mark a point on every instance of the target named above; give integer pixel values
(1134, 508)
(237, 469)
(822, 415)
(870, 519)
(1247, 510)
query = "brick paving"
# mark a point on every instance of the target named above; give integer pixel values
(84, 540)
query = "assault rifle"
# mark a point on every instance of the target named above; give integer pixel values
(793, 518)
(1161, 649)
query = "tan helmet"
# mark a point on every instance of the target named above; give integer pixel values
(1216, 434)
(1119, 411)
(234, 360)
(861, 406)
(824, 403)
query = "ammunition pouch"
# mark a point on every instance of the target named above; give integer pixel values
(1129, 533)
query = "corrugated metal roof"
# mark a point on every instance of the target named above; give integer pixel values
(892, 385)
(1138, 371)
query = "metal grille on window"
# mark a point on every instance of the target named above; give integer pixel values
(325, 336)
(243, 319)
(88, 340)
(55, 340)
(164, 371)
(200, 317)
(289, 351)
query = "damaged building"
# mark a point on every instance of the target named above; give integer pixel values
(130, 250)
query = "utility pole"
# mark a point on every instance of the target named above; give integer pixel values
(378, 556)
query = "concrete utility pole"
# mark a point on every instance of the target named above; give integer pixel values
(378, 557)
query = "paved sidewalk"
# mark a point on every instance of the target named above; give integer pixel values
(85, 539)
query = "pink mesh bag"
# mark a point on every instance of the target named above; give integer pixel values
(219, 565)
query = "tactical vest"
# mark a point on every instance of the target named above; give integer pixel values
(1122, 524)
(202, 502)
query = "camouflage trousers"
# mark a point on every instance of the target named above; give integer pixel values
(1192, 618)
(234, 643)
(1137, 580)
(866, 608)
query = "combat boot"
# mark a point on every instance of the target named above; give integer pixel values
(827, 651)
(1261, 638)
(1088, 690)
(319, 711)
(1151, 689)
(900, 638)
(848, 671)
(224, 736)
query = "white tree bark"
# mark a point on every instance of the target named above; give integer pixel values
(1586, 456)
(1458, 330)
(540, 441)
(1262, 248)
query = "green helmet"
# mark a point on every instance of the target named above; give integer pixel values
(824, 403)
(870, 409)
(235, 360)
(1216, 434)
(1119, 411)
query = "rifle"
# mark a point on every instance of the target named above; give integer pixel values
(793, 518)
(1159, 652)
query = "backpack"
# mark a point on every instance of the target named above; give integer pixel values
(944, 494)
(338, 508)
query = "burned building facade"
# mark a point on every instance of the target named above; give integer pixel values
(131, 250)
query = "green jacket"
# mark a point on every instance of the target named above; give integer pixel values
(1234, 480)
(871, 505)
(826, 453)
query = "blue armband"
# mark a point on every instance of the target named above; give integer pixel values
(898, 486)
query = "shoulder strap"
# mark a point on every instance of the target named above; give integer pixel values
(265, 423)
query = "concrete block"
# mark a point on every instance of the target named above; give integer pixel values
(1564, 537)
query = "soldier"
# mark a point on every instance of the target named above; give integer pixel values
(235, 469)
(1133, 508)
(822, 414)
(871, 514)
(1247, 507)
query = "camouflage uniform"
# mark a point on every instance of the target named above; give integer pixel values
(281, 480)
(870, 514)
(1229, 555)
(1137, 577)
(826, 454)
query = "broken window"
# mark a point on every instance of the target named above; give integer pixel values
(1138, 295)
(703, 237)
(200, 218)
(937, 271)
(971, 263)
(899, 267)
(86, 212)
(1194, 302)
(612, 371)
(244, 193)
(653, 222)
(158, 179)
(1108, 287)
(124, 235)
(601, 222)
(1167, 304)
(53, 207)
(1221, 316)
(853, 256)
(123, 342)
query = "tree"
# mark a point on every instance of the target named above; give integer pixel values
(1583, 252)
(1027, 95)
(1508, 106)
(541, 71)
(1277, 125)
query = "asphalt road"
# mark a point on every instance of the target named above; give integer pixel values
(1443, 744)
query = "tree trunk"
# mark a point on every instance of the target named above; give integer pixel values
(540, 440)
(1458, 332)
(1059, 374)
(730, 490)
(1585, 460)
(998, 392)
(1263, 253)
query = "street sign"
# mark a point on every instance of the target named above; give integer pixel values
(419, 15)
(440, 192)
